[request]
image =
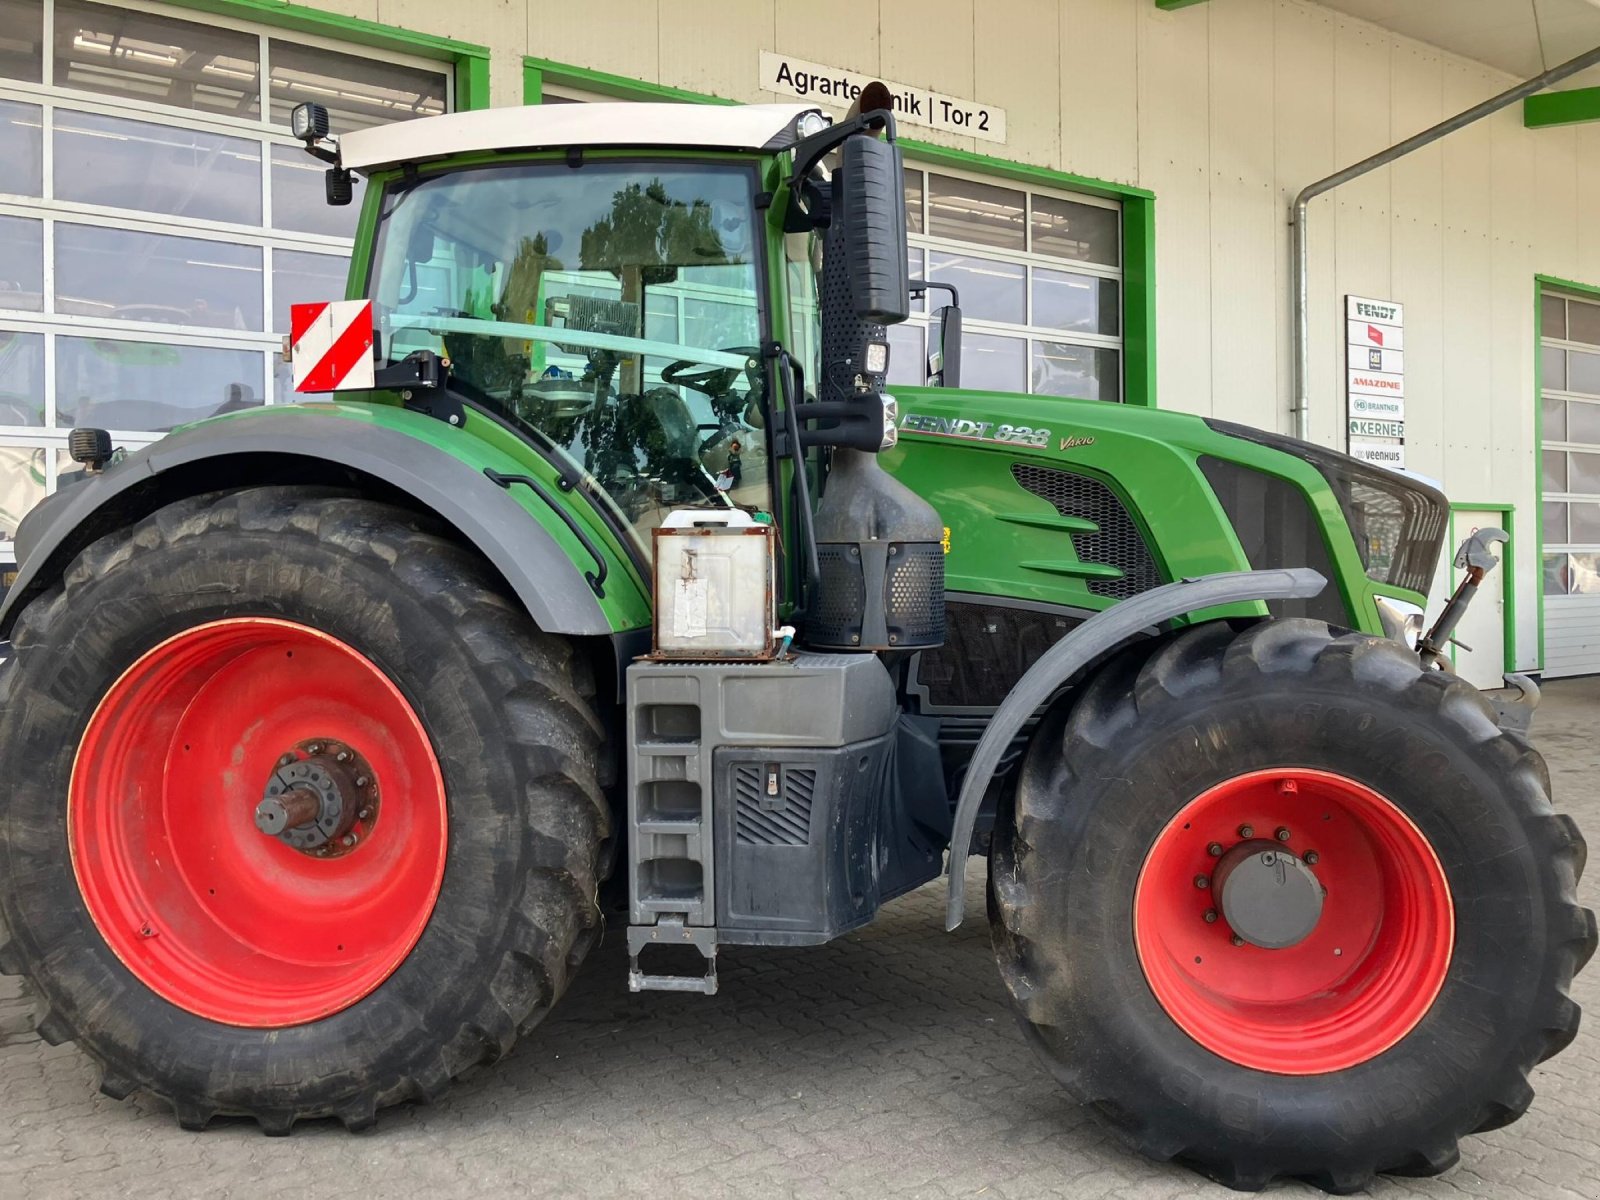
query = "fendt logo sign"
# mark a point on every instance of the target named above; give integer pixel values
(1375, 380)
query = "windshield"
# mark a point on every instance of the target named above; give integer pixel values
(609, 311)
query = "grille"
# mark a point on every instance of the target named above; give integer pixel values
(1117, 543)
(915, 613)
(840, 597)
(1276, 528)
(762, 820)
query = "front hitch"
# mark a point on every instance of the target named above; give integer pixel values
(1475, 559)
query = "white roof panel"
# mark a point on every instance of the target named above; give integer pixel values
(557, 126)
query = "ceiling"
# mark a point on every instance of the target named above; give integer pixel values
(1519, 37)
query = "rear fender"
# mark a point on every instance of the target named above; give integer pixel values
(542, 574)
(1099, 635)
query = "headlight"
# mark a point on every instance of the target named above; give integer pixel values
(1401, 619)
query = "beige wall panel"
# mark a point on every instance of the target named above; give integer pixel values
(366, 10)
(1588, 195)
(1468, 153)
(1303, 151)
(1416, 100)
(1556, 181)
(1514, 450)
(715, 46)
(929, 43)
(499, 24)
(1360, 103)
(1245, 224)
(1464, 315)
(620, 36)
(1174, 162)
(1417, 270)
(1099, 97)
(1241, 113)
(829, 31)
(1016, 66)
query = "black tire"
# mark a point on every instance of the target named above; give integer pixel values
(1157, 727)
(516, 739)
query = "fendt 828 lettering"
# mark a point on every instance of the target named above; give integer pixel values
(597, 573)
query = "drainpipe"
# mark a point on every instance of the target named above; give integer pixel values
(1297, 216)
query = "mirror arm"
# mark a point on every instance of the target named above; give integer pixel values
(921, 287)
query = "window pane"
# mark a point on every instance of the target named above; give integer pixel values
(299, 278)
(990, 290)
(1583, 423)
(1079, 303)
(908, 362)
(1583, 372)
(157, 168)
(1063, 369)
(21, 148)
(914, 201)
(1555, 420)
(139, 385)
(153, 277)
(989, 363)
(965, 211)
(22, 485)
(1585, 574)
(140, 56)
(1585, 529)
(1084, 232)
(1555, 523)
(1583, 322)
(1553, 371)
(358, 92)
(916, 269)
(1555, 574)
(298, 201)
(21, 264)
(1583, 474)
(22, 40)
(21, 379)
(1552, 316)
(1553, 463)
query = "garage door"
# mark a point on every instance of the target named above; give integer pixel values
(156, 221)
(1570, 460)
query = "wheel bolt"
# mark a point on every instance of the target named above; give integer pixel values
(364, 814)
(1282, 834)
(1237, 940)
(1202, 882)
(342, 756)
(286, 761)
(1310, 858)
(314, 748)
(362, 781)
(1211, 916)
(348, 840)
(1215, 849)
(1247, 831)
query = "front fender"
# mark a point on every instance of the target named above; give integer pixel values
(546, 574)
(1099, 635)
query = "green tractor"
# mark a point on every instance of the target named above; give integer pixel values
(607, 577)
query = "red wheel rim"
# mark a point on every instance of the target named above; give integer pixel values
(1351, 989)
(206, 910)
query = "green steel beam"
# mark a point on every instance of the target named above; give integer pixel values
(1561, 108)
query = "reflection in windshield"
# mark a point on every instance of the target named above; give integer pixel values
(610, 310)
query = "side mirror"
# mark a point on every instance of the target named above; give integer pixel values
(875, 229)
(308, 122)
(944, 333)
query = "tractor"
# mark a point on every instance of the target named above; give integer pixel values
(598, 572)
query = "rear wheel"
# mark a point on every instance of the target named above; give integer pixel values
(311, 822)
(1281, 903)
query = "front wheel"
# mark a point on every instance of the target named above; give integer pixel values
(302, 816)
(1282, 903)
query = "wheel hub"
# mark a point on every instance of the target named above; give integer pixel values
(322, 799)
(1269, 897)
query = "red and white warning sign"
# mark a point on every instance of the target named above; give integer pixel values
(331, 345)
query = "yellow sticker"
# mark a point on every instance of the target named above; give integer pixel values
(945, 541)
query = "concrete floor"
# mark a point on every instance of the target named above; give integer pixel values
(885, 1064)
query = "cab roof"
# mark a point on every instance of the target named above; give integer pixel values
(768, 127)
